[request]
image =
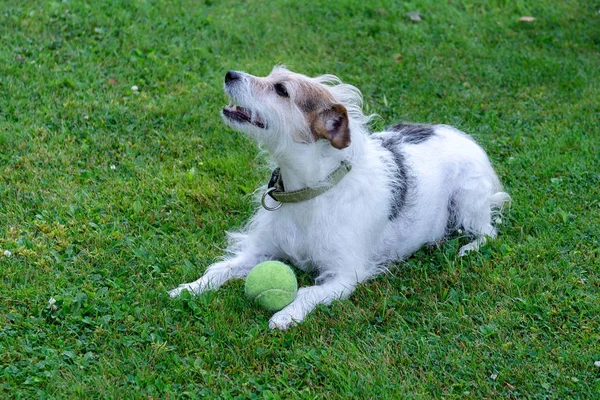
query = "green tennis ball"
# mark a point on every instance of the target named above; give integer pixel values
(272, 285)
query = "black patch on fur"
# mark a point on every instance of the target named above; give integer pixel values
(452, 224)
(400, 183)
(413, 133)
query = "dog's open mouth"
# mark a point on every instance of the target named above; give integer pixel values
(240, 114)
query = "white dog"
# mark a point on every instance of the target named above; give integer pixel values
(343, 202)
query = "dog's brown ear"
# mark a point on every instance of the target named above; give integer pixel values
(332, 124)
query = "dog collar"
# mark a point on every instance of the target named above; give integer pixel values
(277, 192)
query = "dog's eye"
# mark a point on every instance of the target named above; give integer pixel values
(281, 90)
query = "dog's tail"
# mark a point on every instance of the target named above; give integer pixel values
(499, 200)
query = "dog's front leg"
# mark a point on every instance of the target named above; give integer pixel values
(309, 297)
(219, 273)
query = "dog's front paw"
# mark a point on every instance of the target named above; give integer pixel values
(193, 288)
(176, 292)
(282, 321)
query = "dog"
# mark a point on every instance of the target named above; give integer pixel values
(345, 203)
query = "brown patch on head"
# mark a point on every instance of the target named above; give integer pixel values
(327, 119)
(305, 93)
(311, 97)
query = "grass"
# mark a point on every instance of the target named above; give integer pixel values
(110, 196)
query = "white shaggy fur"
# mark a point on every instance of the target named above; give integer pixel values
(346, 235)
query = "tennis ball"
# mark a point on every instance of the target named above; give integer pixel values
(272, 285)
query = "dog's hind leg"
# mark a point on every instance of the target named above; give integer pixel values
(472, 246)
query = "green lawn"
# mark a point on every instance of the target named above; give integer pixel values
(110, 196)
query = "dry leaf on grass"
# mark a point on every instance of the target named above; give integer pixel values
(527, 19)
(414, 16)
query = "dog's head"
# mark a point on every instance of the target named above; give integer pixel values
(285, 107)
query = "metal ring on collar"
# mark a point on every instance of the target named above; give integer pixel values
(264, 204)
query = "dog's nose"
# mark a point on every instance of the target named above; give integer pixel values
(232, 76)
